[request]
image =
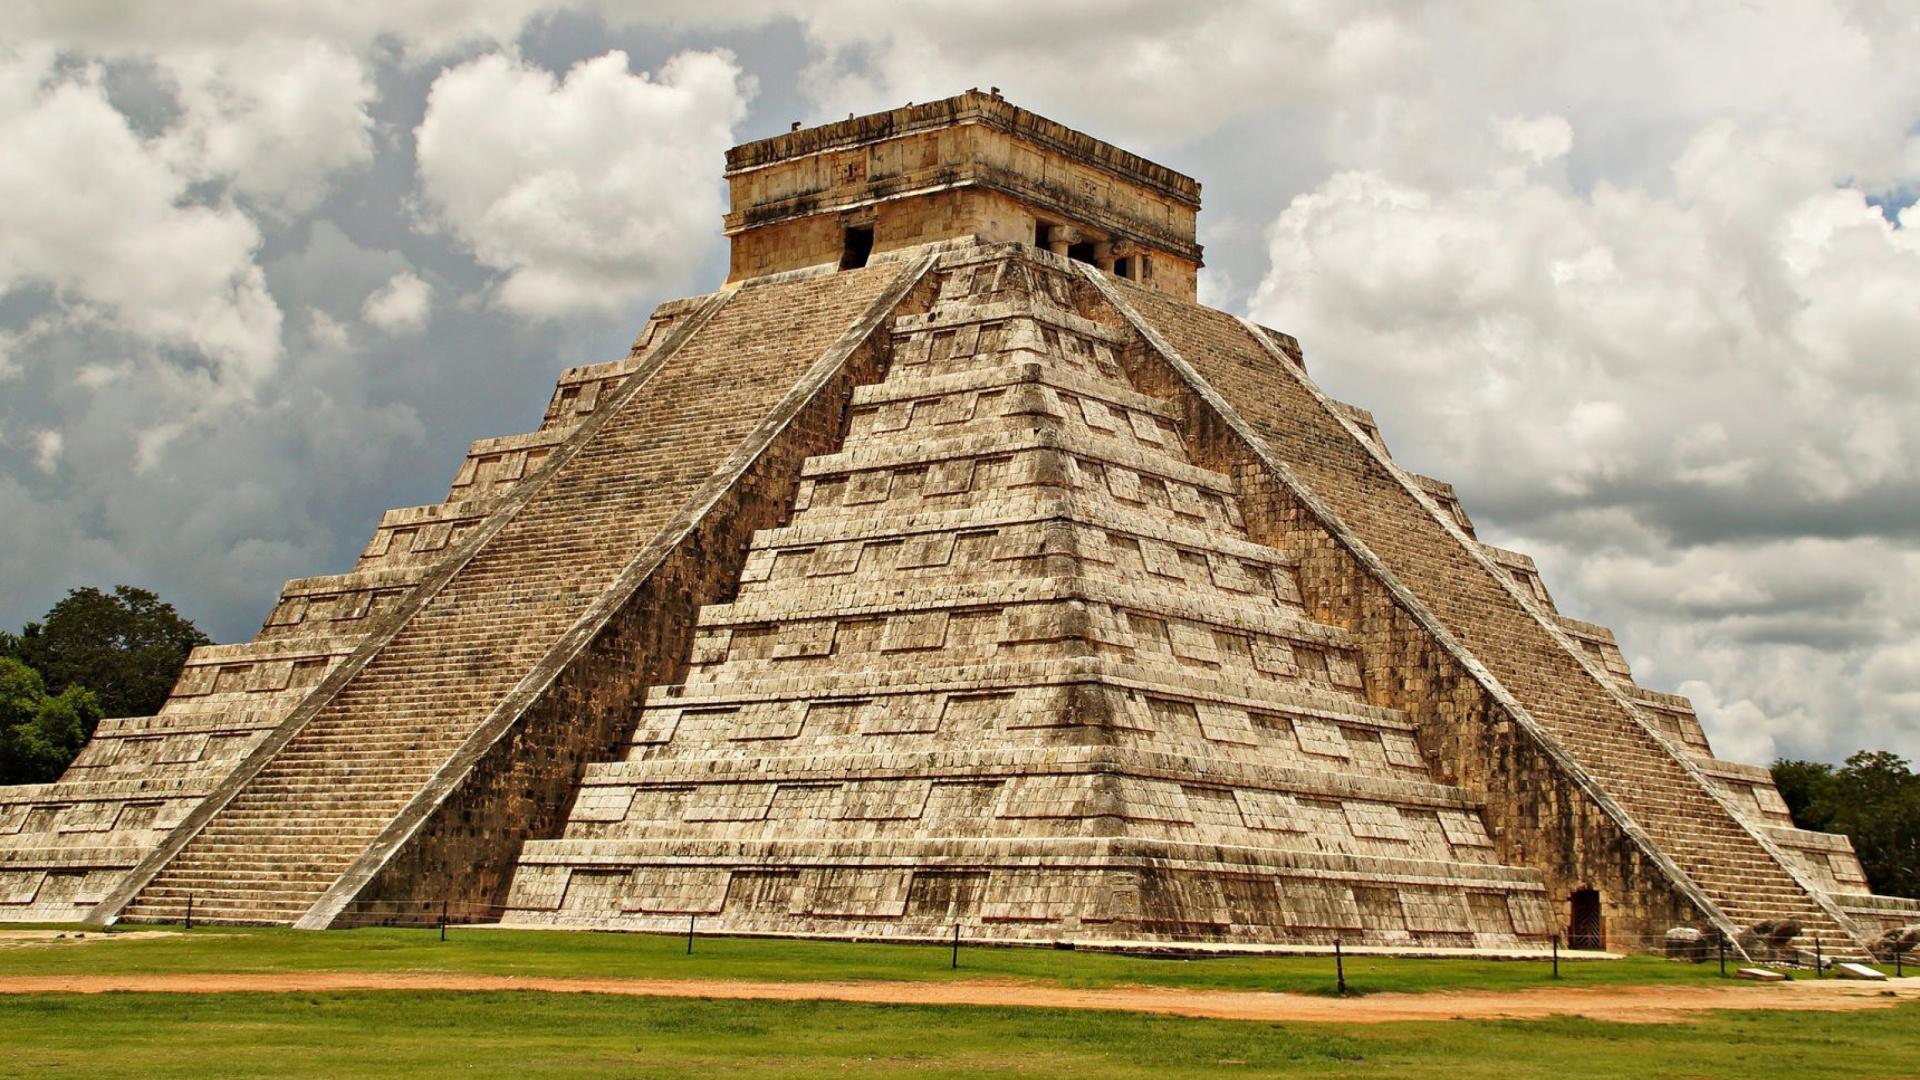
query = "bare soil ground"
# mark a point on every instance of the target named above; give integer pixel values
(1648, 1004)
(19, 939)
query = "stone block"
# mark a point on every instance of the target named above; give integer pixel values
(1687, 944)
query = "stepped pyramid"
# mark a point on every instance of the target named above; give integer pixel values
(1014, 658)
(948, 565)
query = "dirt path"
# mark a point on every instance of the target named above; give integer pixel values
(1645, 1004)
(27, 939)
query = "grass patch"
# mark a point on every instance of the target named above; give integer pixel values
(425, 1035)
(592, 955)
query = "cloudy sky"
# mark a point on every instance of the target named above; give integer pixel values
(1639, 278)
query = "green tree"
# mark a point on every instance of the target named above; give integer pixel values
(39, 733)
(127, 647)
(1800, 782)
(1874, 800)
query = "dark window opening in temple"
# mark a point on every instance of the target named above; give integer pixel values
(858, 246)
(1042, 234)
(1123, 268)
(1082, 252)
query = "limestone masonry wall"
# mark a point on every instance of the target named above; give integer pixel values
(1015, 663)
(969, 166)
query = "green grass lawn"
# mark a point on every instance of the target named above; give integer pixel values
(423, 1035)
(529, 1034)
(533, 952)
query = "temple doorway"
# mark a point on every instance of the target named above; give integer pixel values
(1585, 928)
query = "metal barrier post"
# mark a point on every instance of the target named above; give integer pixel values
(1722, 939)
(1819, 959)
(956, 946)
(443, 920)
(690, 918)
(1556, 956)
(189, 911)
(1339, 967)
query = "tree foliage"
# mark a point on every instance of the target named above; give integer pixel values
(96, 654)
(1874, 799)
(127, 647)
(39, 732)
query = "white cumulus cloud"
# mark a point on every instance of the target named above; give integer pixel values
(1621, 338)
(104, 219)
(1139, 70)
(275, 118)
(1668, 396)
(584, 192)
(402, 305)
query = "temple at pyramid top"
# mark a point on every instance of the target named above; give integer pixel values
(970, 168)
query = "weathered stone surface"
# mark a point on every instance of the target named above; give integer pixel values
(1014, 661)
(987, 579)
(1899, 940)
(1687, 943)
(1771, 939)
(1848, 970)
(970, 166)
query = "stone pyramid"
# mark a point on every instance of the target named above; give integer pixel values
(949, 565)
(1014, 658)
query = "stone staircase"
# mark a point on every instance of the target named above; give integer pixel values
(1575, 703)
(354, 775)
(64, 847)
(297, 827)
(1718, 852)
